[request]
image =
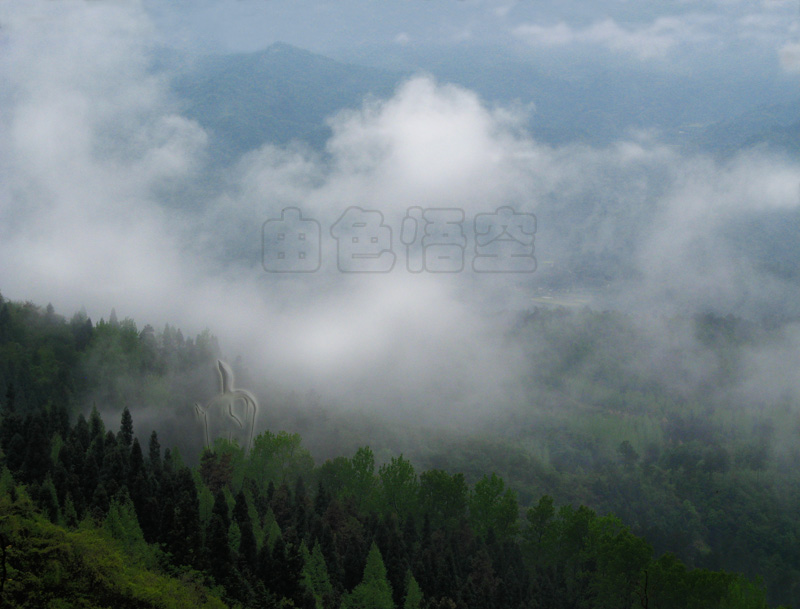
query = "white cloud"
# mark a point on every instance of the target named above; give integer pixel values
(646, 41)
(89, 139)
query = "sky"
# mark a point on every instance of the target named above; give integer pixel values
(689, 32)
(94, 151)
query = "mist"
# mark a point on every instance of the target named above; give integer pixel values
(105, 203)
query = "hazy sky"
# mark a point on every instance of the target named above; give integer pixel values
(696, 32)
(94, 150)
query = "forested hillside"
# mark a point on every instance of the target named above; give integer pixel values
(98, 513)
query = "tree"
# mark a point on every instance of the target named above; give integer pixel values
(491, 506)
(216, 470)
(287, 571)
(398, 487)
(154, 454)
(482, 586)
(315, 576)
(184, 531)
(540, 527)
(443, 497)
(278, 458)
(363, 463)
(413, 598)
(121, 524)
(627, 453)
(37, 462)
(621, 562)
(217, 548)
(97, 428)
(374, 591)
(125, 435)
(248, 550)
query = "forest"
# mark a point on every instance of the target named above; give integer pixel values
(634, 503)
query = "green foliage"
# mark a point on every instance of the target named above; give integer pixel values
(414, 595)
(399, 487)
(374, 591)
(122, 525)
(277, 458)
(492, 506)
(685, 470)
(352, 478)
(216, 470)
(315, 576)
(443, 497)
(48, 566)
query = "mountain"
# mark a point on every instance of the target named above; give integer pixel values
(772, 126)
(284, 93)
(276, 95)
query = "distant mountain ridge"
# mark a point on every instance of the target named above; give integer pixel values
(277, 95)
(775, 126)
(283, 93)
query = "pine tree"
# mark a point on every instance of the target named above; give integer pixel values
(248, 551)
(11, 423)
(315, 577)
(125, 436)
(80, 434)
(374, 591)
(413, 598)
(97, 428)
(216, 470)
(186, 534)
(322, 500)
(91, 476)
(287, 571)
(99, 503)
(113, 473)
(36, 463)
(217, 548)
(154, 455)
(15, 452)
(58, 420)
(48, 500)
(136, 461)
(122, 524)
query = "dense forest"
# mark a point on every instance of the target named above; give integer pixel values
(93, 513)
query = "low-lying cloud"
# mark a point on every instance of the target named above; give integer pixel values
(94, 148)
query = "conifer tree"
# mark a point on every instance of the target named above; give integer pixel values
(413, 598)
(217, 548)
(125, 435)
(97, 428)
(154, 455)
(315, 577)
(186, 536)
(374, 591)
(81, 434)
(36, 463)
(248, 550)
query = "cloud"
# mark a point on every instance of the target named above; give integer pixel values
(99, 207)
(648, 41)
(94, 151)
(88, 133)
